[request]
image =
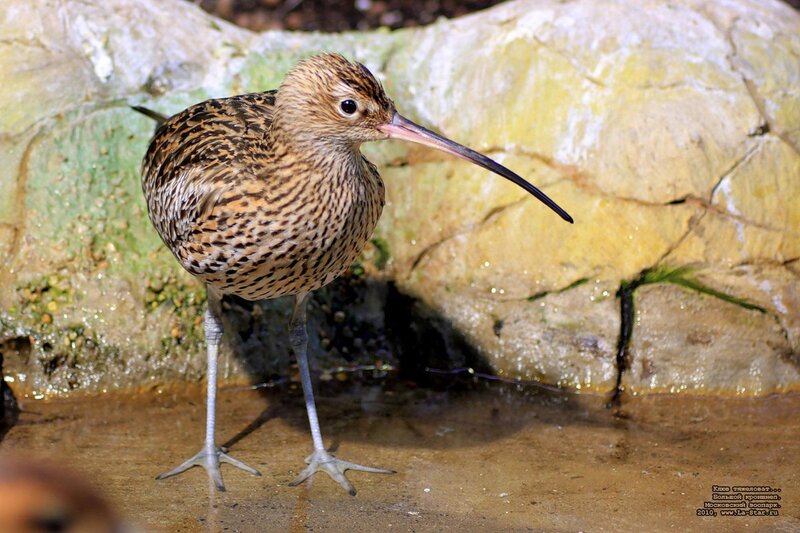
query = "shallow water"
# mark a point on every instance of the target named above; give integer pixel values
(487, 458)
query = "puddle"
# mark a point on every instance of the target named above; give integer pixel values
(491, 457)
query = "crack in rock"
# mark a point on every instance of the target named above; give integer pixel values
(20, 194)
(30, 42)
(14, 243)
(574, 64)
(691, 224)
(491, 215)
(581, 180)
(750, 86)
(627, 318)
(735, 166)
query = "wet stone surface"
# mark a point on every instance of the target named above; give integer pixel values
(676, 170)
(490, 456)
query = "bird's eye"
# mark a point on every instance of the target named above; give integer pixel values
(348, 107)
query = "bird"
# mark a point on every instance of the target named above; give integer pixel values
(264, 195)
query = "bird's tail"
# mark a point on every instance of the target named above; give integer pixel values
(155, 115)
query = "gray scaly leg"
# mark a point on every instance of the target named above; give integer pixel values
(320, 459)
(210, 456)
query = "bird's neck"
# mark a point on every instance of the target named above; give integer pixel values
(324, 153)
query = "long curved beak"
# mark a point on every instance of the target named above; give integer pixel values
(402, 128)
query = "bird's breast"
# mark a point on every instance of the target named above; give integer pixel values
(297, 237)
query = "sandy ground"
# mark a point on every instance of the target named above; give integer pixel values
(492, 458)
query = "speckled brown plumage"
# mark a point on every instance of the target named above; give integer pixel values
(264, 195)
(246, 209)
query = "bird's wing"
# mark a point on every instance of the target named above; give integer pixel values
(183, 201)
(201, 157)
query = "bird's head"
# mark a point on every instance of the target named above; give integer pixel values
(328, 100)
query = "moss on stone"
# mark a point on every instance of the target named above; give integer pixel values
(682, 276)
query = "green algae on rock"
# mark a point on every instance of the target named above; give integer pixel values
(669, 130)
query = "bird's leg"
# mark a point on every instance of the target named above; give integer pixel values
(210, 456)
(320, 459)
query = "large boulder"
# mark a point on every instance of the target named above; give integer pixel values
(670, 130)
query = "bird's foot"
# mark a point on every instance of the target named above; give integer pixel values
(324, 461)
(210, 459)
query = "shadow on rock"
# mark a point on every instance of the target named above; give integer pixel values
(359, 328)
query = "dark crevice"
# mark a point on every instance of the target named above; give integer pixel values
(677, 201)
(789, 355)
(497, 327)
(9, 409)
(627, 312)
(761, 130)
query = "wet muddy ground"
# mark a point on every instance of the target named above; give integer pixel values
(486, 458)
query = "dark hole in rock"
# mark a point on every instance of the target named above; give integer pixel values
(497, 327)
(9, 409)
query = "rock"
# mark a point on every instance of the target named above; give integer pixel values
(91, 300)
(565, 338)
(668, 130)
(665, 130)
(756, 188)
(691, 342)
